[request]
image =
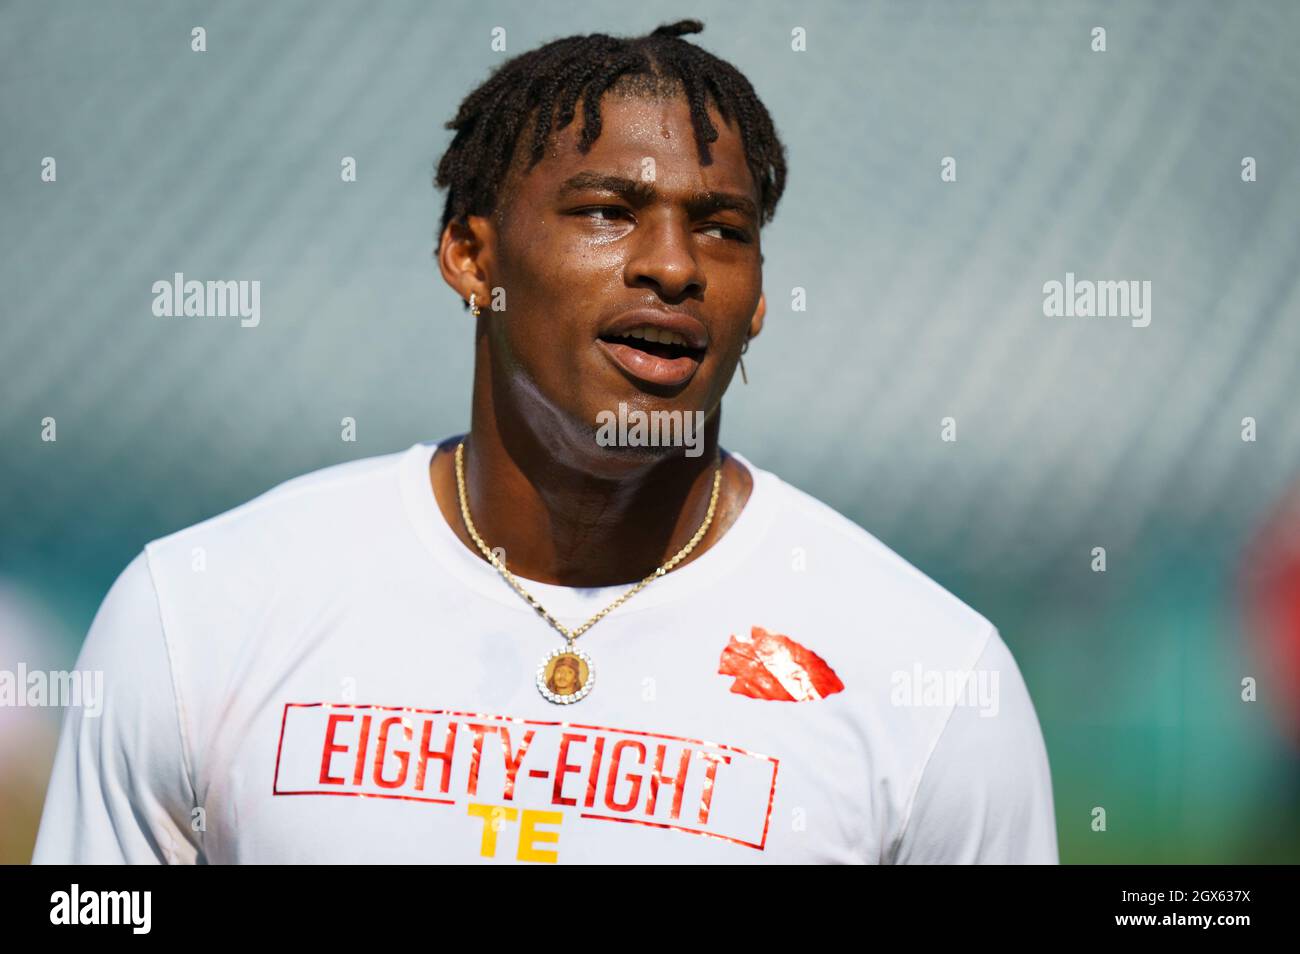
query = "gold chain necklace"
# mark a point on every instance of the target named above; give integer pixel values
(567, 675)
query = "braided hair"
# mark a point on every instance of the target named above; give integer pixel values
(540, 89)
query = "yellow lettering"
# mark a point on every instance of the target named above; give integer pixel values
(492, 816)
(529, 836)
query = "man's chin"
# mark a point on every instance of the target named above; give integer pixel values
(647, 432)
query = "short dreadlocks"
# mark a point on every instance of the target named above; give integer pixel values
(493, 117)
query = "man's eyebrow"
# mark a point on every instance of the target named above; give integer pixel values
(636, 192)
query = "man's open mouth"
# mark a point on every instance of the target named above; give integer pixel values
(657, 342)
(655, 347)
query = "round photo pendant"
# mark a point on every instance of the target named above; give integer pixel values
(566, 675)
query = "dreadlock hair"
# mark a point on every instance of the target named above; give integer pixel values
(540, 89)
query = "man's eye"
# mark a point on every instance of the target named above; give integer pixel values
(728, 232)
(614, 209)
(616, 212)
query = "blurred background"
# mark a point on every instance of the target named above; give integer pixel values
(924, 301)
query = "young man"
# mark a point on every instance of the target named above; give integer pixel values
(563, 641)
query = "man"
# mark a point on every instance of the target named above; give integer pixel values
(492, 648)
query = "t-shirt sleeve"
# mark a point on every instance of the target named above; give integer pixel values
(120, 792)
(985, 795)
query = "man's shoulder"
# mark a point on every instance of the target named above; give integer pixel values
(304, 510)
(867, 573)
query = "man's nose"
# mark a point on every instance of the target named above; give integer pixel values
(664, 257)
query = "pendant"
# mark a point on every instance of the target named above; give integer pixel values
(566, 675)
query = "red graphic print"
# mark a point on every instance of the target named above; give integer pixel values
(771, 666)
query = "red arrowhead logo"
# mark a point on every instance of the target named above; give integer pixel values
(771, 666)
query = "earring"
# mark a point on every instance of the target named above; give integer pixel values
(473, 308)
(744, 378)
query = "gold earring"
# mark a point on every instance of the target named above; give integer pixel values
(473, 308)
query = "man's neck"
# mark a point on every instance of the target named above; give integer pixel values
(585, 526)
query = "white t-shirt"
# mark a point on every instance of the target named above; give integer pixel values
(327, 674)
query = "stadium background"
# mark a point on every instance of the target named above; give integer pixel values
(924, 301)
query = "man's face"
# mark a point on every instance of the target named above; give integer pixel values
(563, 678)
(637, 223)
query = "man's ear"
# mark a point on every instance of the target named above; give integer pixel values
(465, 257)
(756, 323)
